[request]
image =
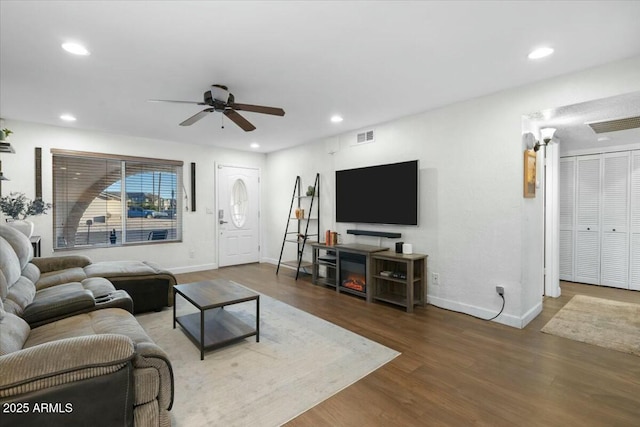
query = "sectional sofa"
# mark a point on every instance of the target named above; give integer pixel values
(71, 352)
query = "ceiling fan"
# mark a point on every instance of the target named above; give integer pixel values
(218, 98)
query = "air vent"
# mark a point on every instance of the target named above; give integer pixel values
(615, 125)
(365, 137)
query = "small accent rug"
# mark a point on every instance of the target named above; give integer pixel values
(300, 361)
(602, 322)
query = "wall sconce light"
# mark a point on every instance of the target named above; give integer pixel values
(546, 134)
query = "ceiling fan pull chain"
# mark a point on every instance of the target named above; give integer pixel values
(222, 120)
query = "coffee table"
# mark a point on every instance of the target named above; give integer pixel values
(214, 326)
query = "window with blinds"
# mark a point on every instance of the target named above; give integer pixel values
(106, 200)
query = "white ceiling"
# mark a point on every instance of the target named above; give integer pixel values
(573, 133)
(371, 62)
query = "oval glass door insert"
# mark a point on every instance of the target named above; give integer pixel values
(239, 200)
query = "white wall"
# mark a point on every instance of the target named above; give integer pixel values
(199, 228)
(474, 224)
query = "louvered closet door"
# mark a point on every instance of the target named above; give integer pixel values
(567, 214)
(615, 221)
(634, 258)
(587, 246)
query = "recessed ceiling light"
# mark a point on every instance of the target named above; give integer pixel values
(68, 118)
(603, 138)
(255, 145)
(540, 52)
(75, 48)
(336, 119)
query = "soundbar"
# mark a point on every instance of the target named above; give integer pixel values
(374, 233)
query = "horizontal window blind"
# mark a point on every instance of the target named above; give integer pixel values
(106, 202)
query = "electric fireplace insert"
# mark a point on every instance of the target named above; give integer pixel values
(353, 274)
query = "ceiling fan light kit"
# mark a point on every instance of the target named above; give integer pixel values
(219, 99)
(218, 93)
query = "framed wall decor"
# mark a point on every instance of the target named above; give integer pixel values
(529, 174)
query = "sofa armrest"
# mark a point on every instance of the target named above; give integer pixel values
(60, 362)
(151, 355)
(57, 306)
(55, 263)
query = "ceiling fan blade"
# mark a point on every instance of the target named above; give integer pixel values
(191, 120)
(239, 120)
(176, 102)
(258, 109)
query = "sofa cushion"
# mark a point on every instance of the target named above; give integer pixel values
(9, 267)
(20, 295)
(58, 301)
(59, 290)
(14, 332)
(106, 321)
(53, 278)
(31, 272)
(99, 286)
(119, 268)
(54, 263)
(20, 243)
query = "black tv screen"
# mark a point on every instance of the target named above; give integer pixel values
(383, 194)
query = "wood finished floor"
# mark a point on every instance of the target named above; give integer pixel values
(456, 370)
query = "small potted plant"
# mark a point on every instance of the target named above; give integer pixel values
(17, 207)
(4, 134)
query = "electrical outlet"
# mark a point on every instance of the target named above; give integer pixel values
(192, 253)
(435, 278)
(500, 290)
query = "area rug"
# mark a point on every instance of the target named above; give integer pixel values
(300, 361)
(602, 322)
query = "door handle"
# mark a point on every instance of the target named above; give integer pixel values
(614, 229)
(223, 222)
(588, 228)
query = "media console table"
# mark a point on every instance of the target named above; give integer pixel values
(406, 289)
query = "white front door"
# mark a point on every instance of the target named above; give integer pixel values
(238, 215)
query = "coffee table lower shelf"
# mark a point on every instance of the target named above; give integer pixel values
(220, 328)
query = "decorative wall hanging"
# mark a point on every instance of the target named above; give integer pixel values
(529, 174)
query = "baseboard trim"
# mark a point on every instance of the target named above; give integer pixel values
(275, 262)
(531, 314)
(505, 319)
(193, 268)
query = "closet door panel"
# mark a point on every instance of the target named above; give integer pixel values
(588, 193)
(634, 223)
(567, 217)
(566, 255)
(634, 268)
(587, 257)
(615, 220)
(587, 241)
(614, 263)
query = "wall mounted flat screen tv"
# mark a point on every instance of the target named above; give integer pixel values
(382, 194)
